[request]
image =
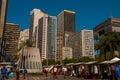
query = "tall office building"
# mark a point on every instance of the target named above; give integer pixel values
(51, 41)
(66, 25)
(43, 32)
(11, 37)
(35, 15)
(108, 26)
(82, 44)
(42, 36)
(66, 21)
(87, 43)
(47, 36)
(3, 9)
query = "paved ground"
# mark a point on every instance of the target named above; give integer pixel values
(50, 77)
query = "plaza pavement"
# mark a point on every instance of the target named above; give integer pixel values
(50, 77)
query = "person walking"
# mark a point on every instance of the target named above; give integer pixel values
(64, 69)
(54, 72)
(25, 72)
(3, 72)
(17, 74)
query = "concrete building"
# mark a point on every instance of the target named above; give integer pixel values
(24, 36)
(42, 36)
(67, 53)
(66, 25)
(47, 36)
(43, 30)
(30, 59)
(82, 44)
(108, 26)
(66, 21)
(3, 10)
(35, 15)
(11, 38)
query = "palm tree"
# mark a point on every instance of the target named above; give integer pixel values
(108, 44)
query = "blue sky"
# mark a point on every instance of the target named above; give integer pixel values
(89, 13)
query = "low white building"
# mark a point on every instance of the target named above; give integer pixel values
(24, 35)
(66, 53)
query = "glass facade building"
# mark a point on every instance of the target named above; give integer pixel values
(52, 25)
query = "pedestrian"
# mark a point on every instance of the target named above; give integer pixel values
(21, 75)
(4, 72)
(11, 74)
(17, 74)
(0, 76)
(25, 72)
(55, 72)
(64, 69)
(117, 71)
(46, 71)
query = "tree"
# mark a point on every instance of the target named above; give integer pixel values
(86, 59)
(107, 45)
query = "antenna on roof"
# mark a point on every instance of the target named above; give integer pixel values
(111, 15)
(83, 27)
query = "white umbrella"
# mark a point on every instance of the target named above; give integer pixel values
(8, 66)
(105, 62)
(114, 60)
(92, 62)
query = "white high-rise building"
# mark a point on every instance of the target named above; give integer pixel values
(35, 15)
(42, 36)
(43, 32)
(82, 44)
(87, 43)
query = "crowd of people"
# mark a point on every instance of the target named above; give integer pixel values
(64, 70)
(109, 72)
(6, 73)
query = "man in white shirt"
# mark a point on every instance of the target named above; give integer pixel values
(64, 69)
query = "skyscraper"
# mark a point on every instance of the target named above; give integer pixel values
(82, 44)
(11, 38)
(66, 21)
(47, 36)
(42, 36)
(3, 9)
(43, 33)
(35, 15)
(66, 25)
(51, 41)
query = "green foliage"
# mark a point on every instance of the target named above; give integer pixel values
(50, 62)
(29, 43)
(15, 58)
(66, 61)
(83, 59)
(86, 59)
(107, 45)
